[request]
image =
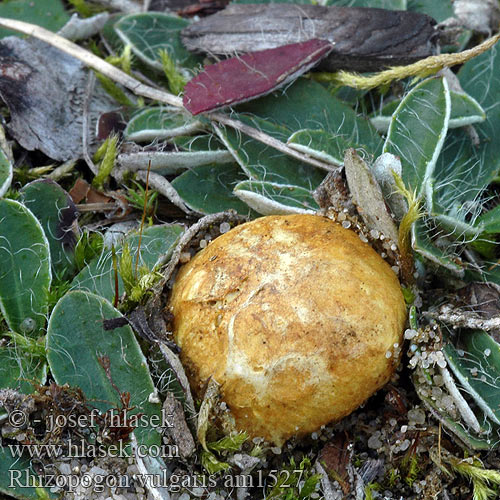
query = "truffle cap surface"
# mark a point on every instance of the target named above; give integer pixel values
(294, 317)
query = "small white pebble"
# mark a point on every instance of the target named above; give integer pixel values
(374, 442)
(153, 397)
(405, 445)
(64, 468)
(203, 243)
(346, 224)
(363, 238)
(410, 334)
(388, 354)
(417, 416)
(224, 227)
(487, 352)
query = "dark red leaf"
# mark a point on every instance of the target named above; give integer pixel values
(246, 77)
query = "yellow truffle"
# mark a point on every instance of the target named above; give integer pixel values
(294, 317)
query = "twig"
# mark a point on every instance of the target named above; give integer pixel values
(92, 61)
(270, 141)
(138, 88)
(96, 207)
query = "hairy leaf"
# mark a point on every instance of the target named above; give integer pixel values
(79, 347)
(18, 370)
(465, 110)
(151, 31)
(261, 162)
(417, 132)
(25, 274)
(209, 189)
(158, 123)
(57, 214)
(172, 162)
(321, 145)
(99, 277)
(308, 105)
(477, 367)
(49, 14)
(12, 467)
(269, 198)
(6, 173)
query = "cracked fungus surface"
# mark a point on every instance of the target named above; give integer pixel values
(292, 316)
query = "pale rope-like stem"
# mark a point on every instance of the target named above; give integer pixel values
(422, 68)
(138, 88)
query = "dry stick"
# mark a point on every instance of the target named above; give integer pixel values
(96, 207)
(138, 88)
(91, 60)
(270, 141)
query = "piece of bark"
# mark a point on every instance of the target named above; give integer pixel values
(44, 89)
(364, 39)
